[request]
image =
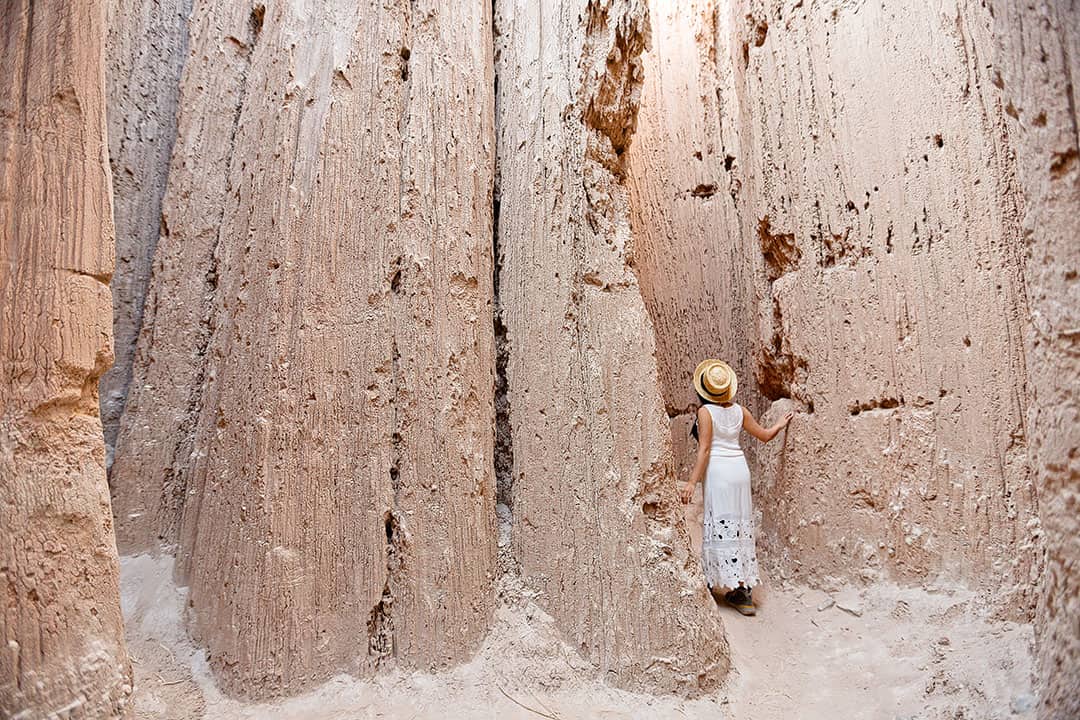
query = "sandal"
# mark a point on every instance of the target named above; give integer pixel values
(740, 599)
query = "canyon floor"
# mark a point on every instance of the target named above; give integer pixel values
(878, 652)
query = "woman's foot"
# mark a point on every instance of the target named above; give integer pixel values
(740, 599)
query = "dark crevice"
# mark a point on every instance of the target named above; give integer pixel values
(1062, 162)
(380, 624)
(779, 371)
(381, 643)
(780, 251)
(704, 190)
(882, 403)
(604, 113)
(504, 444)
(102, 278)
(395, 277)
(255, 22)
(761, 31)
(381, 638)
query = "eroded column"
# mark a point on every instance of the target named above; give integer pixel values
(595, 511)
(310, 423)
(1038, 72)
(63, 648)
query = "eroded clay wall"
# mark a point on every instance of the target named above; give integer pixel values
(1039, 65)
(852, 232)
(60, 627)
(145, 51)
(698, 282)
(309, 423)
(593, 502)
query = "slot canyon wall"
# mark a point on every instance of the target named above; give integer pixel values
(1039, 44)
(826, 194)
(594, 509)
(61, 627)
(309, 422)
(407, 299)
(147, 46)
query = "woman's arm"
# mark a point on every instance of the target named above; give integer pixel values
(704, 447)
(751, 426)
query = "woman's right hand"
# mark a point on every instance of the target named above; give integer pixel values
(687, 493)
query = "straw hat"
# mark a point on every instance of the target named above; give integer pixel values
(715, 381)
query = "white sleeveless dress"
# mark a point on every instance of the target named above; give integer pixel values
(727, 550)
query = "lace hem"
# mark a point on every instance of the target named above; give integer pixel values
(729, 568)
(727, 529)
(728, 554)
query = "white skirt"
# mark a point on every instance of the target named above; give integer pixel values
(727, 548)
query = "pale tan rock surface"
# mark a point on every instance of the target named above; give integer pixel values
(836, 197)
(825, 664)
(850, 239)
(697, 279)
(61, 627)
(595, 527)
(145, 50)
(151, 468)
(1039, 68)
(310, 422)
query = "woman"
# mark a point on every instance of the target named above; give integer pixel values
(727, 550)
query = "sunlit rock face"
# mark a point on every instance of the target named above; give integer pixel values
(827, 195)
(63, 643)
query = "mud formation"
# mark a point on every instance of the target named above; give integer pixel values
(1040, 60)
(870, 219)
(315, 443)
(63, 640)
(407, 298)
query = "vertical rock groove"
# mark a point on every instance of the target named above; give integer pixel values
(177, 475)
(335, 478)
(504, 438)
(595, 526)
(151, 472)
(1038, 70)
(145, 51)
(60, 629)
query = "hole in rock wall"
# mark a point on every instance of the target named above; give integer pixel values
(255, 22)
(780, 251)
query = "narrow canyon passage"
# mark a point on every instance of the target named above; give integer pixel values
(406, 302)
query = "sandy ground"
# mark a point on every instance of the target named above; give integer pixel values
(881, 652)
